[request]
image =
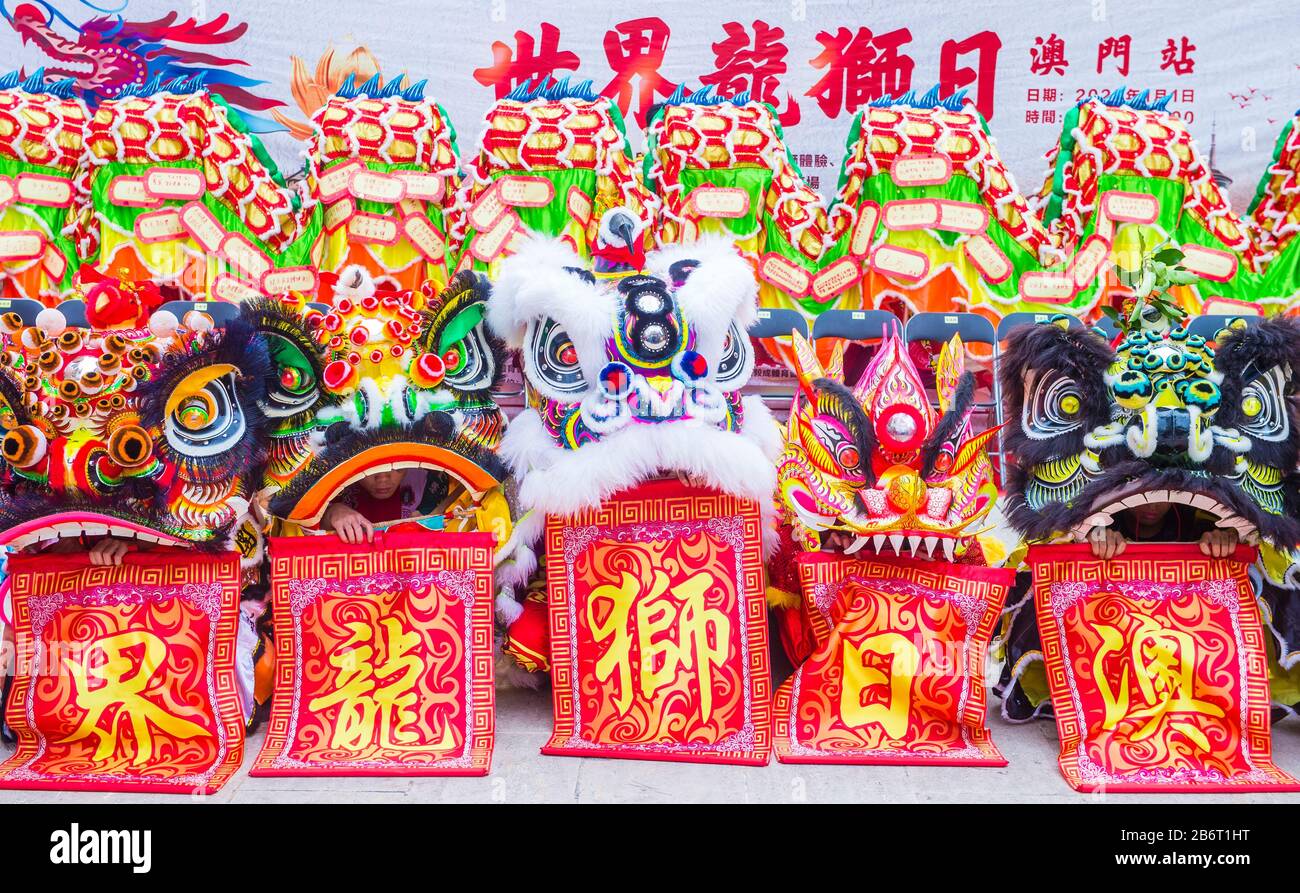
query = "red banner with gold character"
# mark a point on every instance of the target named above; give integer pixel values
(897, 674)
(383, 656)
(659, 628)
(1157, 669)
(126, 675)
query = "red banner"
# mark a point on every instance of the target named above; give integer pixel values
(1157, 667)
(126, 675)
(897, 675)
(383, 656)
(659, 628)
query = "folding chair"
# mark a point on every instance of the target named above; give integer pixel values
(26, 308)
(852, 325)
(74, 311)
(776, 322)
(1210, 325)
(1006, 326)
(1025, 317)
(222, 312)
(1109, 330)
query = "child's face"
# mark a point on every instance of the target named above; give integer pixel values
(1151, 514)
(383, 484)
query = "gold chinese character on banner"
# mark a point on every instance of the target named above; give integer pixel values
(374, 712)
(1161, 662)
(115, 688)
(672, 628)
(877, 686)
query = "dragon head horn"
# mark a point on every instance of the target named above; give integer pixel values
(806, 364)
(835, 368)
(948, 370)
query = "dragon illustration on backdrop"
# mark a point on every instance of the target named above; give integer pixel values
(108, 56)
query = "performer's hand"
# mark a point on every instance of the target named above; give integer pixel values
(696, 481)
(350, 525)
(1106, 543)
(261, 506)
(108, 552)
(1219, 543)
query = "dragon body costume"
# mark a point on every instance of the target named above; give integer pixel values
(166, 182)
(1125, 176)
(721, 166)
(554, 160)
(931, 215)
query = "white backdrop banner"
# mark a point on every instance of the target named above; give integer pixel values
(1233, 70)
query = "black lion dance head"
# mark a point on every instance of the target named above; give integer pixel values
(1161, 417)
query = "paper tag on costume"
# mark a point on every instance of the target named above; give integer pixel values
(287, 279)
(717, 201)
(900, 262)
(488, 209)
(518, 237)
(39, 189)
(178, 183)
(1104, 226)
(423, 186)
(21, 245)
(1130, 207)
(791, 278)
(202, 225)
(526, 192)
(373, 228)
(159, 226)
(1047, 287)
(338, 214)
(1088, 260)
(421, 233)
(1217, 304)
(915, 213)
(373, 186)
(54, 263)
(579, 205)
(487, 245)
(962, 217)
(129, 192)
(835, 278)
(864, 231)
(988, 258)
(1209, 263)
(244, 257)
(334, 183)
(228, 288)
(920, 170)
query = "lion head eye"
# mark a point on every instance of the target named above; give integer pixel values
(1264, 409)
(1054, 407)
(554, 360)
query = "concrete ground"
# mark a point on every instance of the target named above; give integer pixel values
(520, 774)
